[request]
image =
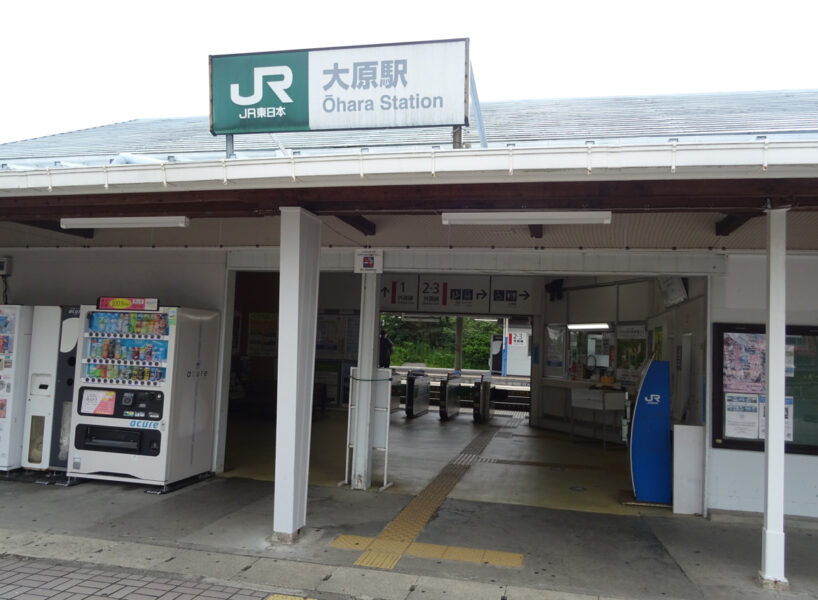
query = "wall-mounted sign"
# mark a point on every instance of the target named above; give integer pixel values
(454, 293)
(418, 84)
(399, 292)
(368, 261)
(515, 295)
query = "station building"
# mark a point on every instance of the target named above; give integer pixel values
(710, 195)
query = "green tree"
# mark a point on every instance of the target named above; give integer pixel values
(432, 342)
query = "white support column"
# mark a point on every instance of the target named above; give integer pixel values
(458, 344)
(297, 317)
(361, 477)
(772, 553)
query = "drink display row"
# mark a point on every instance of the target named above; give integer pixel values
(125, 373)
(129, 323)
(127, 349)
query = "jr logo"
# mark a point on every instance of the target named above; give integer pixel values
(279, 86)
(653, 399)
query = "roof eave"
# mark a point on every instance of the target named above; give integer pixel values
(717, 160)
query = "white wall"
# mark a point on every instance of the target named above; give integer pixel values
(592, 305)
(192, 278)
(178, 277)
(736, 478)
(339, 291)
(689, 317)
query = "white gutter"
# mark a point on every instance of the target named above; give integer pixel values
(701, 160)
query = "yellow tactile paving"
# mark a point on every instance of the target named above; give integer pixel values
(378, 560)
(397, 538)
(472, 555)
(502, 559)
(420, 550)
(351, 542)
(388, 546)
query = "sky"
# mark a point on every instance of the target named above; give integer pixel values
(72, 65)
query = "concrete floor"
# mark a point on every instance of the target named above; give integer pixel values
(531, 493)
(521, 465)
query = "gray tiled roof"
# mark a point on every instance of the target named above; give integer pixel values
(520, 122)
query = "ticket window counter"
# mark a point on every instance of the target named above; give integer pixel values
(591, 355)
(607, 403)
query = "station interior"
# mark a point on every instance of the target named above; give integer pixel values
(557, 460)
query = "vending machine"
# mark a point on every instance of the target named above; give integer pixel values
(47, 423)
(15, 341)
(145, 392)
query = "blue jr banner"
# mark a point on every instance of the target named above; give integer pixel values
(651, 449)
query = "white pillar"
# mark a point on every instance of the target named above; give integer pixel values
(458, 344)
(772, 553)
(297, 315)
(368, 348)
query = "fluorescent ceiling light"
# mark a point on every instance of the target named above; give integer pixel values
(123, 222)
(545, 217)
(589, 326)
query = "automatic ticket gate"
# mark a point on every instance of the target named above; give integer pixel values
(417, 394)
(450, 396)
(484, 392)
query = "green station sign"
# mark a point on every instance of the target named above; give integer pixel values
(419, 84)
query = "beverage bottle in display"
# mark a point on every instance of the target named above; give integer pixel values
(113, 372)
(106, 348)
(142, 353)
(118, 350)
(123, 323)
(153, 373)
(138, 323)
(157, 325)
(135, 353)
(163, 324)
(98, 349)
(146, 374)
(148, 352)
(132, 320)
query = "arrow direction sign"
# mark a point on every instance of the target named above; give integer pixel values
(399, 292)
(464, 294)
(515, 295)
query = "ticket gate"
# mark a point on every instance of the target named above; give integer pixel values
(484, 392)
(450, 397)
(417, 394)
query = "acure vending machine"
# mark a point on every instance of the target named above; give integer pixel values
(145, 392)
(15, 340)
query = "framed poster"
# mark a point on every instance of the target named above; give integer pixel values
(740, 387)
